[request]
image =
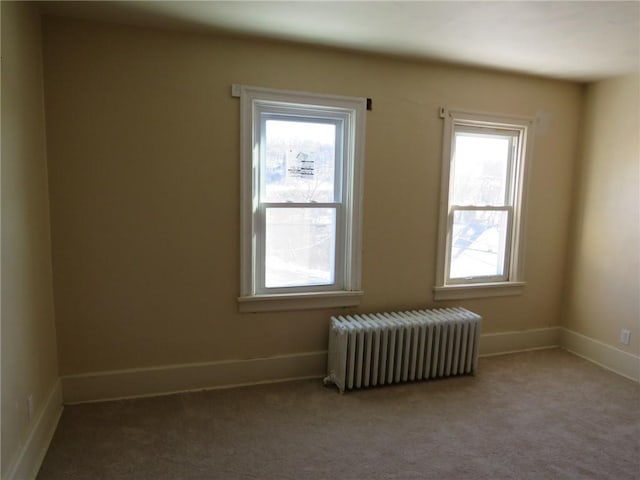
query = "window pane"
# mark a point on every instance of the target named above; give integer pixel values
(300, 161)
(478, 245)
(480, 169)
(299, 247)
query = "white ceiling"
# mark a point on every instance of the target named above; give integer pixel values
(576, 40)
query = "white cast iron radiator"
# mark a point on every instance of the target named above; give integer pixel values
(381, 348)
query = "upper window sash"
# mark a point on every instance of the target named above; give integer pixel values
(513, 138)
(320, 117)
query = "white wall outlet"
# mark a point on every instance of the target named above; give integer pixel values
(30, 407)
(625, 336)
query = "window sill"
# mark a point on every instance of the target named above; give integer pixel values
(479, 290)
(299, 301)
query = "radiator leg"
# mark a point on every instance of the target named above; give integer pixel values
(331, 379)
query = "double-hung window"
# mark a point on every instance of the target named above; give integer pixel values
(301, 189)
(481, 224)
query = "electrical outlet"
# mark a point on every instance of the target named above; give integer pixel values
(625, 336)
(30, 407)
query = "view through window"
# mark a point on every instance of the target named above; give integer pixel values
(297, 175)
(481, 203)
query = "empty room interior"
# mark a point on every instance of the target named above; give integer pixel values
(200, 198)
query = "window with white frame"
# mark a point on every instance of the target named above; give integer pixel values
(302, 162)
(481, 221)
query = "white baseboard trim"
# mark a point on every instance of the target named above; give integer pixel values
(32, 453)
(145, 382)
(611, 358)
(520, 341)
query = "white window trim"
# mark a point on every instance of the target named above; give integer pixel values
(350, 294)
(515, 283)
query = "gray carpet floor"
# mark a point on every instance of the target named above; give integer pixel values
(535, 415)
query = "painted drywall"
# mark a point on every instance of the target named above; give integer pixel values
(604, 272)
(29, 358)
(143, 143)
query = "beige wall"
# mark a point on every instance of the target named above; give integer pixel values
(143, 139)
(29, 363)
(605, 267)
